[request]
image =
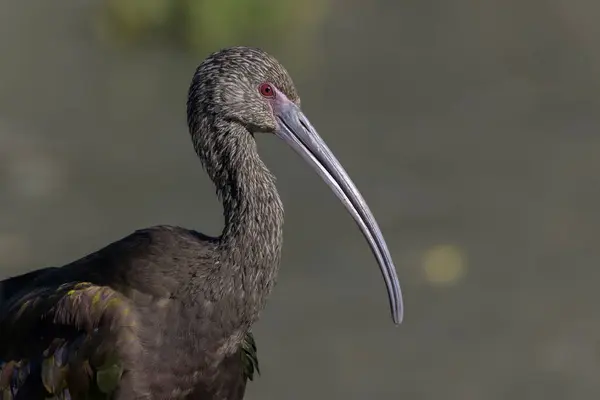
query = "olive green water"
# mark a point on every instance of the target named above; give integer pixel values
(471, 128)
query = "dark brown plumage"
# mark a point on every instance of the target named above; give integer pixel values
(166, 312)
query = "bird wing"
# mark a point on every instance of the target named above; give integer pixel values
(249, 356)
(70, 340)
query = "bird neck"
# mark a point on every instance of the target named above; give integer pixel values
(252, 209)
(250, 244)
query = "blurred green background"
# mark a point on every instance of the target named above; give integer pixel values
(471, 127)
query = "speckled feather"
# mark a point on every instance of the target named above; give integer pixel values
(166, 312)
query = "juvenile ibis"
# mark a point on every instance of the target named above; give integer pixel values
(166, 312)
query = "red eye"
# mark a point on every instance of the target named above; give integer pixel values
(266, 90)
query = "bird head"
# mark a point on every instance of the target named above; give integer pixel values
(242, 85)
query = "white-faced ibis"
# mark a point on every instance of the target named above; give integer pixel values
(166, 312)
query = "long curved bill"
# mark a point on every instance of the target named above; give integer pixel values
(295, 129)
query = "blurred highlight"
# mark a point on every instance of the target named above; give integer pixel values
(444, 265)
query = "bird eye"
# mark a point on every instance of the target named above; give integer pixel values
(266, 90)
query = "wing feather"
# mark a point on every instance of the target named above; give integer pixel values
(249, 356)
(67, 341)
